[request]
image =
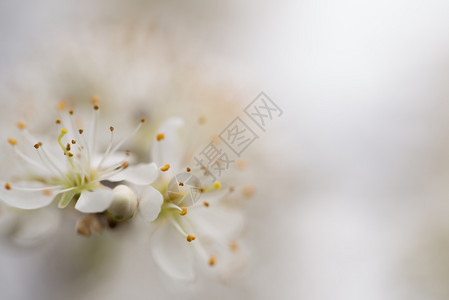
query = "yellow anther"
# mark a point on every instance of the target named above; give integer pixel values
(21, 125)
(165, 168)
(248, 191)
(206, 203)
(73, 142)
(160, 136)
(64, 131)
(58, 121)
(61, 105)
(184, 211)
(46, 192)
(95, 100)
(125, 165)
(37, 146)
(190, 238)
(111, 128)
(217, 185)
(71, 111)
(216, 139)
(234, 246)
(7, 186)
(143, 120)
(202, 119)
(96, 107)
(188, 169)
(12, 141)
(240, 164)
(81, 131)
(70, 154)
(181, 184)
(211, 261)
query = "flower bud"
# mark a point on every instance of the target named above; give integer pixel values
(88, 224)
(124, 203)
(83, 227)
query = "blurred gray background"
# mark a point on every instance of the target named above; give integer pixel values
(355, 197)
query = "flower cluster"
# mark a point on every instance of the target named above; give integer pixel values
(71, 169)
(108, 188)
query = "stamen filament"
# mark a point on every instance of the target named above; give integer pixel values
(72, 124)
(215, 186)
(171, 205)
(93, 133)
(28, 159)
(87, 150)
(118, 166)
(48, 163)
(106, 154)
(111, 172)
(35, 189)
(127, 138)
(178, 228)
(28, 136)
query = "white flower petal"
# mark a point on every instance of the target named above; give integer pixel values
(8, 220)
(217, 221)
(172, 253)
(166, 151)
(150, 203)
(141, 174)
(112, 159)
(96, 201)
(27, 199)
(35, 226)
(54, 151)
(233, 262)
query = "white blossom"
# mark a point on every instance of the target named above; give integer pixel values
(70, 168)
(187, 229)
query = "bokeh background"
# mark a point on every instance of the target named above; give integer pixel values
(351, 196)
